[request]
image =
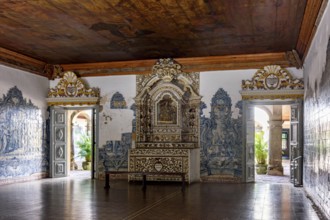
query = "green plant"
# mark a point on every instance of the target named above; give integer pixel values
(261, 147)
(85, 144)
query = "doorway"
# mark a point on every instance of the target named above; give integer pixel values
(265, 117)
(276, 123)
(80, 142)
(73, 141)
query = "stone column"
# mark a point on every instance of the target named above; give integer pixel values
(275, 142)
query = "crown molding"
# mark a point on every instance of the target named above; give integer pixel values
(22, 62)
(195, 64)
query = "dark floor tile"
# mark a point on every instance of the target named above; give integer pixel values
(81, 198)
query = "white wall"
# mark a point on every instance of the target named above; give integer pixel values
(315, 60)
(317, 117)
(33, 87)
(121, 118)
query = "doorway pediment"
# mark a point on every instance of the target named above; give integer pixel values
(272, 82)
(71, 90)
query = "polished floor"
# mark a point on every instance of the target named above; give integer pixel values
(83, 198)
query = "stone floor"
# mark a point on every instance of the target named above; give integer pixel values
(285, 179)
(83, 198)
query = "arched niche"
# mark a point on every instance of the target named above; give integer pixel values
(182, 90)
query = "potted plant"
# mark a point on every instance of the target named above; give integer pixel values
(261, 148)
(85, 151)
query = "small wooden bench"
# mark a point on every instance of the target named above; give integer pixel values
(144, 177)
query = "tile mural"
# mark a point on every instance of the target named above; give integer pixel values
(317, 139)
(118, 101)
(23, 150)
(221, 137)
(114, 154)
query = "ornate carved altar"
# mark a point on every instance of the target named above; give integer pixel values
(167, 123)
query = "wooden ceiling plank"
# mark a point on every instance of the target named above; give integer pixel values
(298, 13)
(309, 25)
(60, 31)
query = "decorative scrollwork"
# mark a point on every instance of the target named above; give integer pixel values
(272, 77)
(166, 69)
(294, 59)
(167, 123)
(71, 86)
(71, 91)
(53, 71)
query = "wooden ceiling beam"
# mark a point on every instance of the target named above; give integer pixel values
(312, 16)
(22, 62)
(195, 64)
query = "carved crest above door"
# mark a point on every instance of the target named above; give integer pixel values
(272, 82)
(71, 90)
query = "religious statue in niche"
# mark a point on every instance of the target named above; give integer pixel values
(167, 111)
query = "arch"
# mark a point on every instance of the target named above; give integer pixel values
(265, 109)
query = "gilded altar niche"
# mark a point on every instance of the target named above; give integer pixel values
(167, 122)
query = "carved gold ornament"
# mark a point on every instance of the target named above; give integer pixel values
(71, 90)
(272, 77)
(53, 71)
(166, 69)
(272, 82)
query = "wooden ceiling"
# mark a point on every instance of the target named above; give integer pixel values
(104, 37)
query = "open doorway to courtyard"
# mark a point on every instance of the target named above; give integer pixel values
(272, 148)
(80, 143)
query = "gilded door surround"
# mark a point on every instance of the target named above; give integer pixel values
(72, 93)
(167, 122)
(271, 85)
